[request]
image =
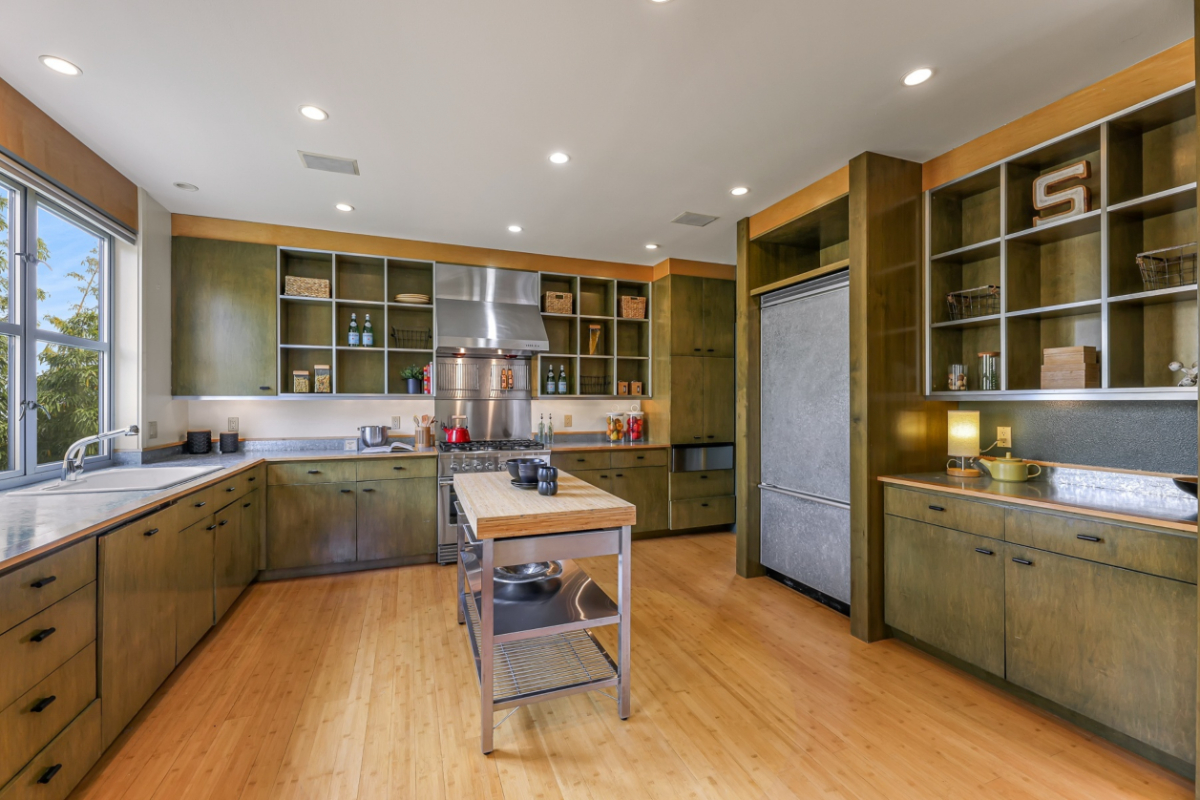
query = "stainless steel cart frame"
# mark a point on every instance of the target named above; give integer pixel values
(529, 651)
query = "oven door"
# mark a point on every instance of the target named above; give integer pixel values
(447, 523)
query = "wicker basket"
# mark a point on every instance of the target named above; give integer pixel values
(305, 287)
(558, 302)
(633, 307)
(1169, 267)
(981, 302)
(595, 384)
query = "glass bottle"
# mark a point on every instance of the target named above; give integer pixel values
(368, 335)
(562, 379)
(550, 431)
(551, 386)
(541, 437)
(352, 336)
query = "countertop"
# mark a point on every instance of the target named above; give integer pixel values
(1163, 511)
(498, 510)
(572, 448)
(31, 525)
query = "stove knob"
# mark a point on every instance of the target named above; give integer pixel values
(478, 465)
(453, 467)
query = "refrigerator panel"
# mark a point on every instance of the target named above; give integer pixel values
(805, 405)
(807, 541)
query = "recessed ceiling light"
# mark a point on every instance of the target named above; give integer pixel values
(738, 191)
(60, 65)
(314, 113)
(654, 246)
(186, 187)
(344, 207)
(660, 1)
(515, 229)
(559, 158)
(918, 76)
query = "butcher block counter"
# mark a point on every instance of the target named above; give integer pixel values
(498, 510)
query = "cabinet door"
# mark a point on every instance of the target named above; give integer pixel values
(720, 412)
(194, 585)
(1115, 645)
(687, 400)
(223, 302)
(310, 525)
(946, 588)
(600, 478)
(235, 551)
(647, 489)
(251, 531)
(397, 518)
(137, 616)
(719, 311)
(687, 315)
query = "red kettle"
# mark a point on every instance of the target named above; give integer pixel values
(458, 434)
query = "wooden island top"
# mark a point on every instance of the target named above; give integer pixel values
(498, 510)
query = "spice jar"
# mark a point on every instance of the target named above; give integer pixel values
(958, 378)
(300, 382)
(635, 427)
(323, 379)
(989, 371)
(616, 426)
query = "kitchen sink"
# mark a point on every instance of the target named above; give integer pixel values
(128, 479)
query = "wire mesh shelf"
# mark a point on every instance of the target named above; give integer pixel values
(1169, 267)
(970, 303)
(594, 384)
(409, 339)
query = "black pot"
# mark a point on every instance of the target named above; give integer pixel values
(414, 386)
(548, 488)
(525, 470)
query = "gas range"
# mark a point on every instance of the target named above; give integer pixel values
(485, 456)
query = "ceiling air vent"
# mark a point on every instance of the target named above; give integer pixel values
(342, 166)
(694, 219)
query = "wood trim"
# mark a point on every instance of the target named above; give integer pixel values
(1160, 73)
(315, 239)
(697, 269)
(748, 389)
(40, 143)
(812, 196)
(802, 277)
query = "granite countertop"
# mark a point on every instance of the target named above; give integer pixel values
(1175, 510)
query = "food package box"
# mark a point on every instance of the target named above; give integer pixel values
(1067, 356)
(1083, 376)
(635, 387)
(622, 387)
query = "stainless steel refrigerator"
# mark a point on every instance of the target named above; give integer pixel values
(805, 419)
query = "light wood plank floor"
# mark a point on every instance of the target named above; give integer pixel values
(362, 686)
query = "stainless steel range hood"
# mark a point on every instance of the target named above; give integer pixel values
(488, 311)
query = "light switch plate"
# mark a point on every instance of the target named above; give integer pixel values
(152, 430)
(566, 420)
(232, 425)
(1004, 437)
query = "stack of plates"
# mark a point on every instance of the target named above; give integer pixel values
(419, 299)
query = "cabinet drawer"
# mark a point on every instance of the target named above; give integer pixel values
(386, 469)
(700, 512)
(948, 512)
(628, 459)
(37, 717)
(195, 507)
(686, 485)
(600, 478)
(1171, 555)
(63, 762)
(28, 653)
(29, 589)
(312, 472)
(581, 460)
(228, 490)
(253, 478)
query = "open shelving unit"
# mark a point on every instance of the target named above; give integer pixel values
(1072, 281)
(623, 347)
(315, 330)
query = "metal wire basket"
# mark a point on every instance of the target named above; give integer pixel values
(594, 384)
(412, 339)
(1168, 267)
(969, 303)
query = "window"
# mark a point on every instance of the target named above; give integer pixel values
(54, 335)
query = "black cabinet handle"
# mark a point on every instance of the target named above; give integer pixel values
(1023, 561)
(201, 504)
(49, 774)
(211, 528)
(620, 474)
(399, 469)
(696, 350)
(368, 490)
(264, 388)
(347, 491)
(936, 508)
(314, 472)
(1088, 538)
(603, 476)
(43, 704)
(703, 477)
(223, 522)
(43, 635)
(639, 458)
(246, 505)
(231, 489)
(711, 350)
(985, 551)
(44, 582)
(704, 505)
(150, 532)
(697, 437)
(251, 479)
(711, 436)
(580, 460)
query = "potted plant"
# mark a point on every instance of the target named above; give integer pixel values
(413, 375)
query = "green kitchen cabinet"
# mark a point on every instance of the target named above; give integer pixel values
(223, 323)
(702, 316)
(311, 525)
(194, 584)
(647, 489)
(946, 588)
(720, 412)
(702, 404)
(600, 478)
(397, 518)
(719, 314)
(235, 550)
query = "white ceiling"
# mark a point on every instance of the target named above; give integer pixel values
(452, 106)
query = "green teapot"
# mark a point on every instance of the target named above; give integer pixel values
(1009, 468)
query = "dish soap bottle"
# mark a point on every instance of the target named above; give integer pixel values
(352, 336)
(368, 335)
(562, 379)
(550, 385)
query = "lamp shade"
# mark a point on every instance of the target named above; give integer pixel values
(962, 437)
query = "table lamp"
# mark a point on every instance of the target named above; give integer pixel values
(962, 438)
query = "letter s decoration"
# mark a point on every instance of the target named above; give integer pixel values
(1080, 197)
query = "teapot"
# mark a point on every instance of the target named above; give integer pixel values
(1009, 468)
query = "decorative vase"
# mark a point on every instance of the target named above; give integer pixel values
(414, 386)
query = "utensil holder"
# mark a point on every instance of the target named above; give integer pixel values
(424, 437)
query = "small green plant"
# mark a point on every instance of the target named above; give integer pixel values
(413, 373)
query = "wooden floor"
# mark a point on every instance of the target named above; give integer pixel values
(362, 686)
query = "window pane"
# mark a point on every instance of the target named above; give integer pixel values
(68, 387)
(68, 276)
(8, 232)
(7, 461)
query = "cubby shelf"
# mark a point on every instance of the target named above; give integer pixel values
(1071, 281)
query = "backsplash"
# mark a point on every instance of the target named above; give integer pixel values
(1156, 437)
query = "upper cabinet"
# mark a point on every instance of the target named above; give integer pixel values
(224, 329)
(702, 315)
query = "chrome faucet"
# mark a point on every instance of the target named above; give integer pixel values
(72, 466)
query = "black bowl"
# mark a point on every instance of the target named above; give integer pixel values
(525, 470)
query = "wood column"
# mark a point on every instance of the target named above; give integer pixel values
(748, 452)
(1196, 25)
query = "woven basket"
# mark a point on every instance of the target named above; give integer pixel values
(558, 302)
(305, 287)
(633, 307)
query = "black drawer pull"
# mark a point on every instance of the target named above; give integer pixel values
(603, 476)
(1088, 538)
(620, 474)
(399, 469)
(695, 349)
(711, 350)
(368, 490)
(580, 460)
(704, 505)
(640, 458)
(42, 635)
(231, 489)
(211, 528)
(711, 436)
(984, 551)
(43, 704)
(936, 508)
(251, 479)
(201, 504)
(697, 437)
(703, 477)
(264, 388)
(1026, 562)
(314, 472)
(223, 522)
(150, 532)
(49, 774)
(347, 491)
(44, 582)
(246, 505)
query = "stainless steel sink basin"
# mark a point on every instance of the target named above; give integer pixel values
(127, 479)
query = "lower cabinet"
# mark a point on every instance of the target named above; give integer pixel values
(600, 478)
(61, 765)
(1112, 644)
(311, 525)
(193, 585)
(235, 550)
(136, 601)
(396, 518)
(646, 488)
(946, 588)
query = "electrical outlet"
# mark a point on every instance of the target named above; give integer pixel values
(566, 420)
(396, 423)
(152, 430)
(232, 425)
(1004, 437)
(350, 445)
